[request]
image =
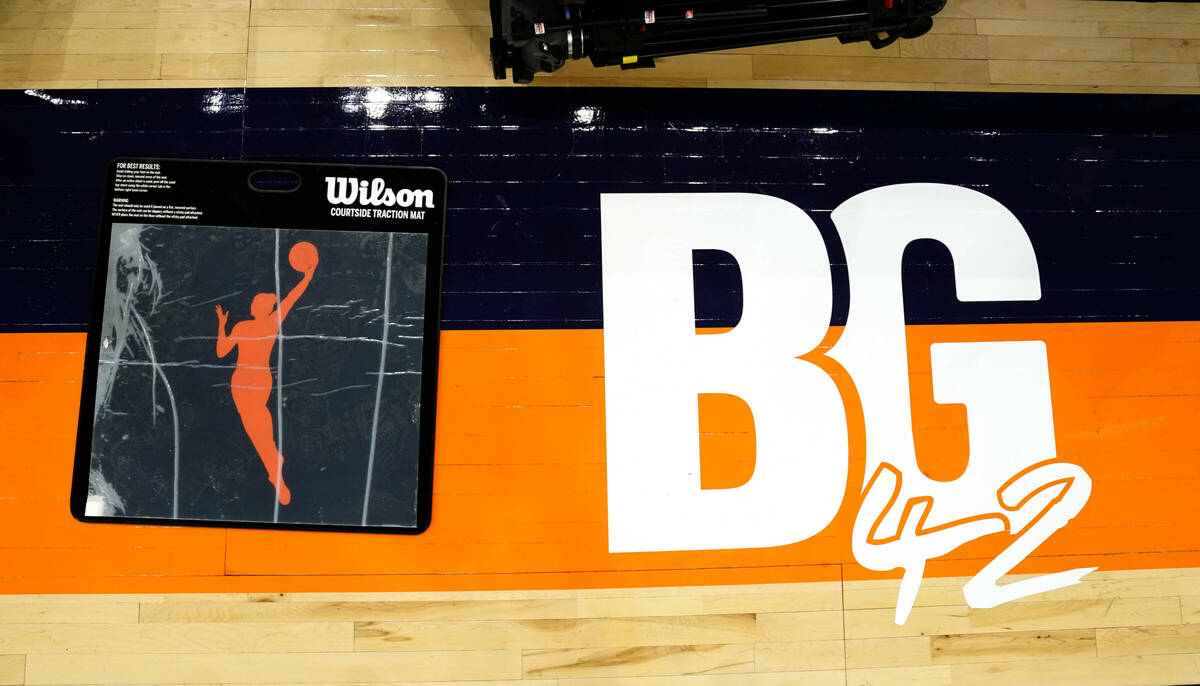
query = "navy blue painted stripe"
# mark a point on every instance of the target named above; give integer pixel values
(1105, 185)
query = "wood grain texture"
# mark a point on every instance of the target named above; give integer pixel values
(357, 611)
(178, 67)
(1117, 629)
(37, 611)
(1012, 645)
(1133, 627)
(1152, 670)
(827, 678)
(12, 669)
(799, 656)
(985, 45)
(296, 637)
(904, 651)
(317, 667)
(899, 676)
(1147, 640)
(1076, 614)
(644, 661)
(799, 626)
(550, 634)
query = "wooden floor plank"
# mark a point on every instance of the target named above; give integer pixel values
(272, 667)
(207, 66)
(799, 656)
(809, 590)
(197, 628)
(452, 17)
(355, 38)
(1148, 640)
(899, 676)
(84, 598)
(1017, 645)
(394, 682)
(171, 83)
(1061, 48)
(820, 597)
(73, 66)
(45, 84)
(1135, 627)
(1047, 29)
(298, 637)
(1076, 614)
(1149, 30)
(301, 64)
(646, 661)
(1166, 50)
(417, 596)
(193, 39)
(344, 17)
(905, 651)
(1190, 608)
(771, 67)
(826, 678)
(922, 621)
(1086, 10)
(1092, 73)
(43, 612)
(946, 47)
(948, 25)
(1134, 583)
(139, 6)
(799, 626)
(861, 596)
(357, 611)
(555, 633)
(1152, 670)
(1095, 586)
(12, 669)
(817, 84)
(165, 19)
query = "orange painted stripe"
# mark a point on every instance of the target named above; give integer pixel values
(520, 478)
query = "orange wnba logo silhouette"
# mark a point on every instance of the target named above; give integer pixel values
(252, 381)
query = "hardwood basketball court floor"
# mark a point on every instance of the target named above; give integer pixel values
(101, 604)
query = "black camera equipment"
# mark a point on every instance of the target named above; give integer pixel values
(531, 36)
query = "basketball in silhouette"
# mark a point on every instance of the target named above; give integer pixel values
(303, 256)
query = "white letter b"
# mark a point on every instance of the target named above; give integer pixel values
(656, 366)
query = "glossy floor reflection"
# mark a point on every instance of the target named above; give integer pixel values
(527, 167)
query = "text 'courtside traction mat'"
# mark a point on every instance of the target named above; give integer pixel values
(263, 346)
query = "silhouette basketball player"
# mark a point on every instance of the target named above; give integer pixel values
(252, 380)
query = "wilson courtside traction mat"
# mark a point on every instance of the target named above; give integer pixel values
(262, 347)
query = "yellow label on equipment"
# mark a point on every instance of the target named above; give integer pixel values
(629, 59)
